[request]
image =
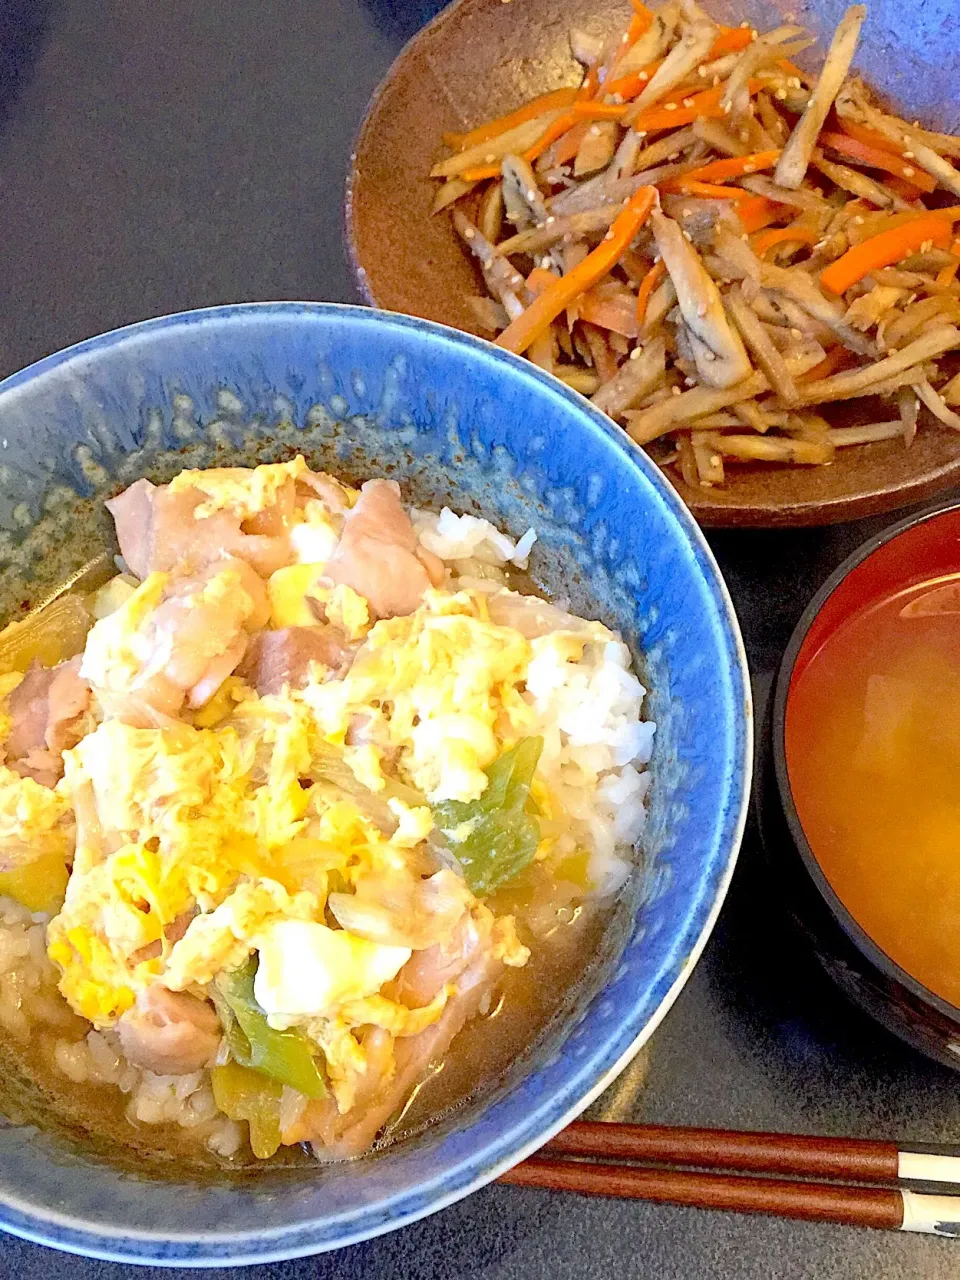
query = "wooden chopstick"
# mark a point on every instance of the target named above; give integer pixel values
(798, 1155)
(582, 1159)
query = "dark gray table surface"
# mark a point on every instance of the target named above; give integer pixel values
(156, 156)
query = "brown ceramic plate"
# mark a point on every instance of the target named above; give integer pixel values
(481, 58)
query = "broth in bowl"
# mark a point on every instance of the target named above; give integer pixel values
(873, 751)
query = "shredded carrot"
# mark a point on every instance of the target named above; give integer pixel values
(902, 187)
(869, 137)
(607, 313)
(541, 313)
(730, 40)
(567, 146)
(589, 87)
(947, 274)
(556, 129)
(671, 115)
(628, 87)
(884, 249)
(493, 128)
(734, 166)
(876, 158)
(539, 279)
(691, 187)
(767, 239)
(758, 212)
(838, 357)
(647, 286)
(599, 110)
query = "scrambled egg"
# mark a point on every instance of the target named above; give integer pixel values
(198, 844)
(241, 491)
(34, 820)
(452, 680)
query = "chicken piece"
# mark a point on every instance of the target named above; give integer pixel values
(397, 909)
(379, 555)
(277, 658)
(472, 964)
(47, 709)
(170, 1032)
(159, 527)
(144, 667)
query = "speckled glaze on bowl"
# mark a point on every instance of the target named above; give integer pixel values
(455, 421)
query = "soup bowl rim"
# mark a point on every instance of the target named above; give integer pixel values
(854, 931)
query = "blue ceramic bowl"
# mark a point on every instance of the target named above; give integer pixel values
(458, 422)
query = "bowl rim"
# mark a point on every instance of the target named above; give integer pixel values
(74, 1234)
(844, 918)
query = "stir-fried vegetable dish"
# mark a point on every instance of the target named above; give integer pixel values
(718, 247)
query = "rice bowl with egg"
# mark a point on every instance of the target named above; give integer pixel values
(314, 821)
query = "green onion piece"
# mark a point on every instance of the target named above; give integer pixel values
(496, 836)
(286, 1056)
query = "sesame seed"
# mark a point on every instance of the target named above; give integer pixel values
(617, 98)
(744, 23)
(716, 81)
(686, 213)
(469, 233)
(674, 155)
(709, 355)
(916, 124)
(701, 309)
(568, 237)
(727, 108)
(594, 131)
(491, 158)
(781, 94)
(636, 353)
(908, 155)
(669, 106)
(796, 333)
(550, 221)
(624, 38)
(676, 391)
(908, 171)
(714, 459)
(644, 75)
(608, 236)
(641, 133)
(532, 195)
(754, 33)
(688, 102)
(688, 236)
(926, 246)
(701, 70)
(749, 168)
(794, 82)
(744, 236)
